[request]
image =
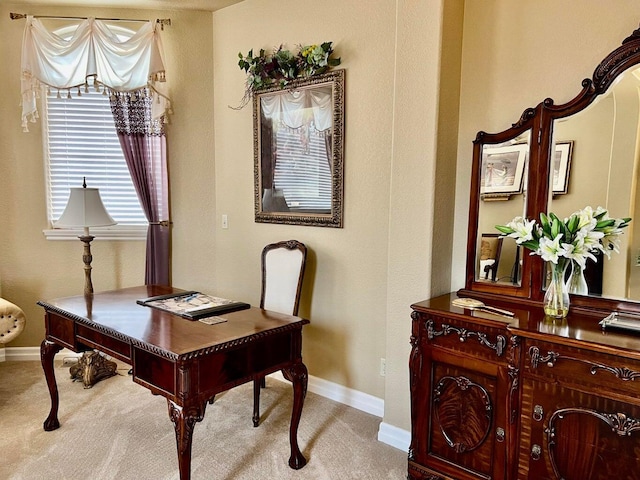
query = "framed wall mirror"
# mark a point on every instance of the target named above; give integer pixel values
(584, 153)
(298, 134)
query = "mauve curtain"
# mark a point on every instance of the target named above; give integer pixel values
(144, 145)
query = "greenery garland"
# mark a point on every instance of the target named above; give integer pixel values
(281, 67)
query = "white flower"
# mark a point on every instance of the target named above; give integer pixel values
(522, 229)
(590, 239)
(587, 218)
(585, 232)
(610, 243)
(578, 251)
(550, 250)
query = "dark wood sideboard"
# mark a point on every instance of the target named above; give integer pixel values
(522, 398)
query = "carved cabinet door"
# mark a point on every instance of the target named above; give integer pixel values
(459, 391)
(571, 435)
(573, 427)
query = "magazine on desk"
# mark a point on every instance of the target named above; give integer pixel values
(193, 305)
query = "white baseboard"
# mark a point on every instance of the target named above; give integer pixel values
(16, 354)
(353, 398)
(393, 436)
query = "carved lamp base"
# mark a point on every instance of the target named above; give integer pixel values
(91, 368)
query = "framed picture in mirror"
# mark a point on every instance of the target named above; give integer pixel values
(561, 167)
(502, 170)
(298, 152)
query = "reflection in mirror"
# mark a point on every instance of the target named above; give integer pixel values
(503, 197)
(298, 150)
(603, 171)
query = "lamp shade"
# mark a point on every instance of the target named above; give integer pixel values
(85, 209)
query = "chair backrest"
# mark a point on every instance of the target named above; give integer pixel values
(282, 272)
(490, 250)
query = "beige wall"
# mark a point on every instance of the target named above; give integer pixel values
(348, 268)
(364, 276)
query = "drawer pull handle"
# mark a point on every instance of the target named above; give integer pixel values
(538, 413)
(536, 451)
(551, 358)
(500, 434)
(464, 335)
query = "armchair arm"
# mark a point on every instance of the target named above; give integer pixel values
(12, 321)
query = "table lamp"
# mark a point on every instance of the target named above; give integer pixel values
(85, 209)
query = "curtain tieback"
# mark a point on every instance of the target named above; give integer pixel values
(162, 223)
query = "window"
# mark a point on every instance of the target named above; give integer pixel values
(81, 141)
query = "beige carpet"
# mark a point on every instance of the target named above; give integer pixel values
(118, 430)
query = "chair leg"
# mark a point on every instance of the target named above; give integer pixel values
(256, 402)
(263, 383)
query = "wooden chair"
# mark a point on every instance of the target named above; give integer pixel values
(283, 266)
(490, 250)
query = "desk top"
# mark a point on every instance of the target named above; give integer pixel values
(116, 312)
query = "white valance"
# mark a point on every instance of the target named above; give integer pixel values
(299, 107)
(94, 50)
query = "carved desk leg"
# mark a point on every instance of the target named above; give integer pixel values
(296, 374)
(48, 351)
(184, 420)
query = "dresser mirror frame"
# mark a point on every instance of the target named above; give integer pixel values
(540, 120)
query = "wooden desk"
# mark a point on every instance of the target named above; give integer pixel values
(188, 362)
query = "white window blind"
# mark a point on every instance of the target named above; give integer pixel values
(302, 170)
(81, 141)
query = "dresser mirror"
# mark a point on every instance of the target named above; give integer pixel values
(603, 171)
(583, 153)
(503, 192)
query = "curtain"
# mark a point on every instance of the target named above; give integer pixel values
(143, 142)
(297, 108)
(95, 51)
(126, 66)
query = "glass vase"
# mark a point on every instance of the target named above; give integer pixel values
(577, 283)
(556, 298)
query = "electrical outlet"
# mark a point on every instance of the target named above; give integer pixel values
(225, 221)
(383, 367)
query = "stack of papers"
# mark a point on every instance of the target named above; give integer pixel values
(193, 305)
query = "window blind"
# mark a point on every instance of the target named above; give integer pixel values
(81, 141)
(302, 170)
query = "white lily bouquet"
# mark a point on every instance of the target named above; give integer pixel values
(564, 242)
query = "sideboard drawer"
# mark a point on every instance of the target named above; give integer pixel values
(457, 335)
(579, 367)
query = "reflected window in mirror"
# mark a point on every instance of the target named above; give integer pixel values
(298, 151)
